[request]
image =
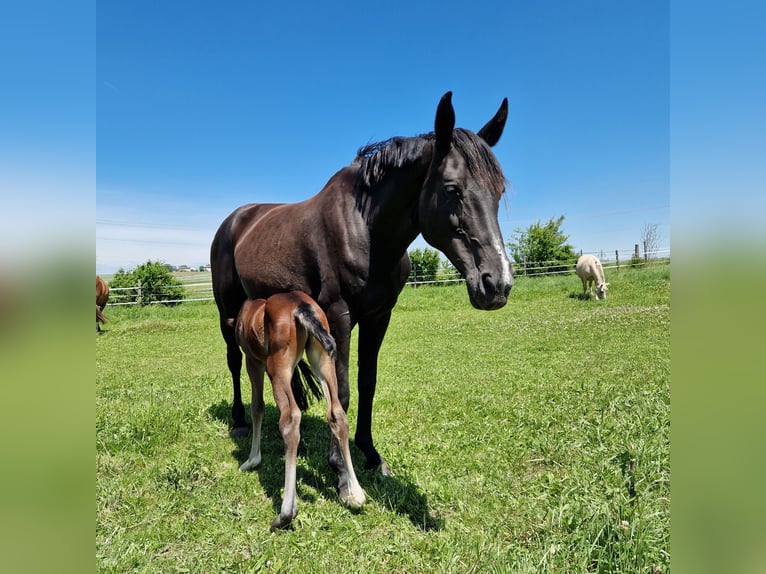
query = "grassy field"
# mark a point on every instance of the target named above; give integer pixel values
(530, 439)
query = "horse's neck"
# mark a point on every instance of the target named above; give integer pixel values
(392, 210)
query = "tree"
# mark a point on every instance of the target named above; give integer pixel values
(425, 264)
(541, 246)
(650, 239)
(156, 281)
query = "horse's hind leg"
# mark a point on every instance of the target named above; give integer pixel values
(290, 428)
(349, 490)
(234, 361)
(255, 370)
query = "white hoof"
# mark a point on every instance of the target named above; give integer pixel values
(355, 499)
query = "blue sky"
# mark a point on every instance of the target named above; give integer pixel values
(202, 107)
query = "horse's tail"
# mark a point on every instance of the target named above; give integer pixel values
(307, 317)
(304, 383)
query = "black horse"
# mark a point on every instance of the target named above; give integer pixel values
(347, 247)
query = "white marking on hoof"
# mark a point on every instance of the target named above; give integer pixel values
(355, 500)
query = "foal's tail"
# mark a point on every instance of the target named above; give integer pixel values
(307, 317)
(304, 383)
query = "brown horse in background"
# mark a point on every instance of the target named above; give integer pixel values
(273, 333)
(102, 296)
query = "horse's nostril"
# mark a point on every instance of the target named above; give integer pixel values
(489, 284)
(494, 288)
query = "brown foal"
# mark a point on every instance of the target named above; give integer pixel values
(273, 334)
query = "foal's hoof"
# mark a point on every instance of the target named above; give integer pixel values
(354, 500)
(239, 432)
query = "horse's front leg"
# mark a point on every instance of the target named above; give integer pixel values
(255, 370)
(371, 333)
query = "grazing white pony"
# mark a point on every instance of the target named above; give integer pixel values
(591, 273)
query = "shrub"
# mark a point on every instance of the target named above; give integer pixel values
(157, 284)
(425, 264)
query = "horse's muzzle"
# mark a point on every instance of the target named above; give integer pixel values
(489, 294)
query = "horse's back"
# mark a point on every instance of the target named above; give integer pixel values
(231, 230)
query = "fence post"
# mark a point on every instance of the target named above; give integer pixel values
(646, 252)
(636, 254)
(617, 257)
(140, 298)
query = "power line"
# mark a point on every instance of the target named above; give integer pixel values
(110, 222)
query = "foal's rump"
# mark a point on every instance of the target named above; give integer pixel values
(309, 322)
(263, 325)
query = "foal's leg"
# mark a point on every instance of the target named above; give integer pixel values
(290, 428)
(350, 492)
(340, 326)
(255, 370)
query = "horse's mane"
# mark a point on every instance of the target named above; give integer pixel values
(376, 160)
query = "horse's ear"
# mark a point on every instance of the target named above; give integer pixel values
(444, 124)
(493, 129)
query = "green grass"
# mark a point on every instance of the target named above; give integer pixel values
(530, 439)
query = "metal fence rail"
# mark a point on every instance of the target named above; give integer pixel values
(203, 290)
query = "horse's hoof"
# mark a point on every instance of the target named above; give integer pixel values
(249, 464)
(239, 432)
(353, 498)
(281, 522)
(380, 465)
(354, 501)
